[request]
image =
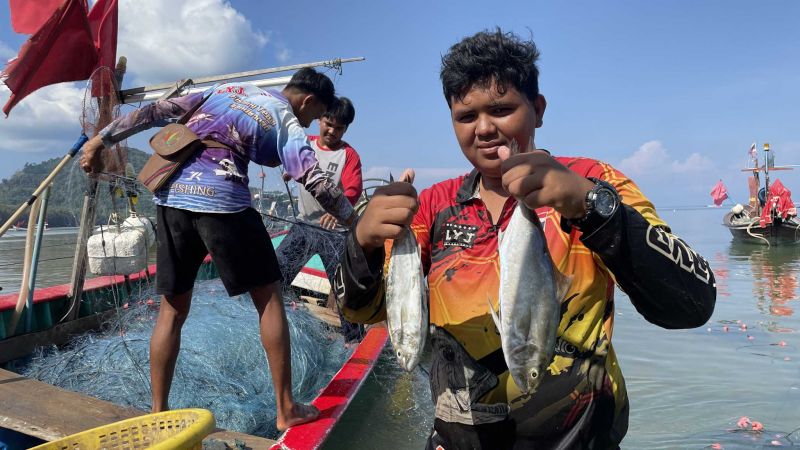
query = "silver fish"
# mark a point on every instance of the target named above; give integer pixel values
(406, 300)
(530, 299)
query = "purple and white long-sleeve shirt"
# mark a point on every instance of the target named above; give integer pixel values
(258, 125)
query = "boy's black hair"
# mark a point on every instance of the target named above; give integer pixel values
(490, 56)
(342, 111)
(310, 81)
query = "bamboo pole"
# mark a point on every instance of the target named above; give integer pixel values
(127, 94)
(26, 269)
(79, 260)
(186, 90)
(89, 209)
(37, 246)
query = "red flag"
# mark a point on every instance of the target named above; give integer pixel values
(28, 16)
(719, 193)
(62, 50)
(779, 203)
(103, 20)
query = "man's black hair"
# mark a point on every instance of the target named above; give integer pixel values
(342, 111)
(489, 56)
(310, 81)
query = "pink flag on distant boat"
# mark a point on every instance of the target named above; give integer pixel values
(719, 193)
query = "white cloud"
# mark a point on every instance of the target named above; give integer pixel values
(425, 176)
(652, 159)
(46, 121)
(167, 41)
(694, 163)
(163, 41)
(666, 179)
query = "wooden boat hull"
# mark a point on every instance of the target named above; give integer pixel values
(98, 303)
(779, 233)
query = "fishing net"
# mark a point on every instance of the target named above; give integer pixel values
(101, 105)
(273, 197)
(221, 367)
(306, 243)
(299, 243)
(309, 241)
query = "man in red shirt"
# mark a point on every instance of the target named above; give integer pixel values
(342, 165)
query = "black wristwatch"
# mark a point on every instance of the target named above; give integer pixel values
(602, 201)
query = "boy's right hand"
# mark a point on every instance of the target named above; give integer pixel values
(390, 208)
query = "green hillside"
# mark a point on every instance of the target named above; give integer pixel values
(66, 196)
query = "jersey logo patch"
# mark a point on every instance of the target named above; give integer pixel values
(459, 235)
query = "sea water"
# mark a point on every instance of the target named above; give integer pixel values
(688, 389)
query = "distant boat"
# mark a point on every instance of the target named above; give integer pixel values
(778, 233)
(22, 228)
(770, 218)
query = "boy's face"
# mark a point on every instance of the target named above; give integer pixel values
(331, 132)
(485, 120)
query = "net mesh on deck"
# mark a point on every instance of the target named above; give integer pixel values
(221, 367)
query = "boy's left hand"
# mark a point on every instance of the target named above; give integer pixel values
(537, 179)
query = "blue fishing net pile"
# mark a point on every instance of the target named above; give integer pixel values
(222, 366)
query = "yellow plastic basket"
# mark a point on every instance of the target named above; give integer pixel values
(168, 430)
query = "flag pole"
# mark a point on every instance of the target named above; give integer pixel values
(138, 93)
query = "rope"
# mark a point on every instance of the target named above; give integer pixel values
(297, 222)
(756, 235)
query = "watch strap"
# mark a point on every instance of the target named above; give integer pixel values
(592, 219)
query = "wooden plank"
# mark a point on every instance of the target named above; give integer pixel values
(22, 345)
(312, 280)
(47, 412)
(327, 315)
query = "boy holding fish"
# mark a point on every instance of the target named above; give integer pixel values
(596, 229)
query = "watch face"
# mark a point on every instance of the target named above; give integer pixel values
(605, 202)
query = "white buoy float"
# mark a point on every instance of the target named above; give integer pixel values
(123, 249)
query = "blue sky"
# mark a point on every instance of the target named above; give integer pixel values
(672, 92)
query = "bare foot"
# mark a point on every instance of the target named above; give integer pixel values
(299, 414)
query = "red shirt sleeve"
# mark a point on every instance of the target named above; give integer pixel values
(351, 175)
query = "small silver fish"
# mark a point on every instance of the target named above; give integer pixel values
(530, 298)
(406, 300)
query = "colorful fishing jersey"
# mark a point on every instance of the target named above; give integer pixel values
(255, 124)
(582, 400)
